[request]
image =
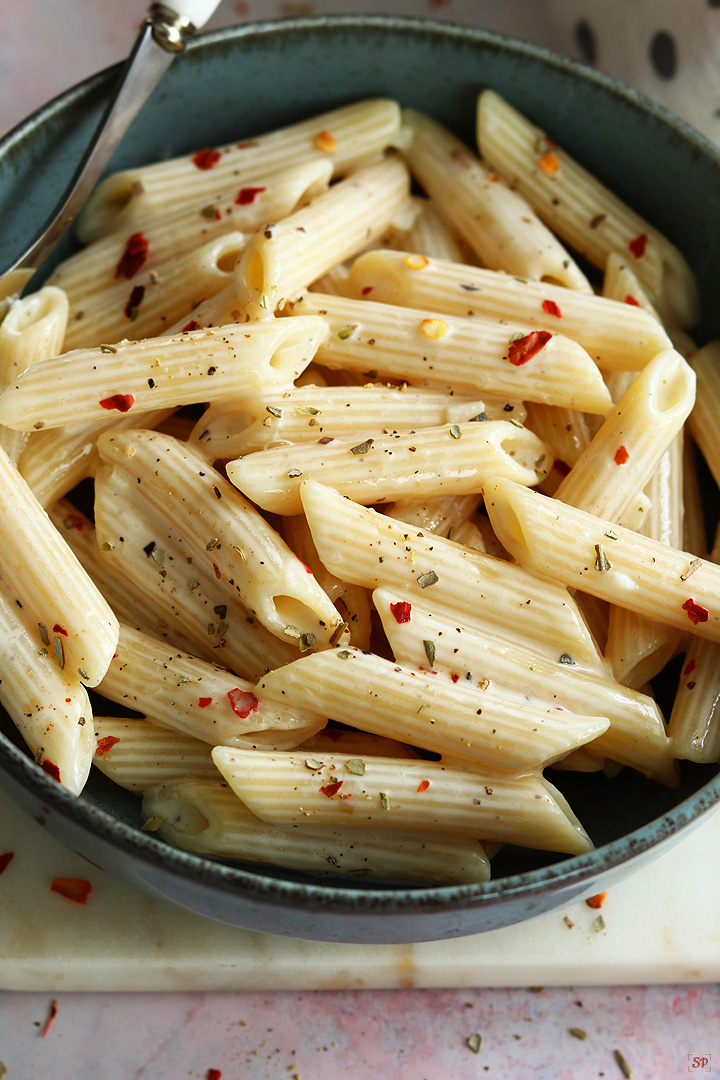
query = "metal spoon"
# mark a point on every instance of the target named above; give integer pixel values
(162, 36)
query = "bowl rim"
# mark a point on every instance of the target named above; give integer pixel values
(576, 871)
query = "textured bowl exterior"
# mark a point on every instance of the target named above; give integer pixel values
(235, 84)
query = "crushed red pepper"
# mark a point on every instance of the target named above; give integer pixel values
(51, 1016)
(213, 1074)
(75, 889)
(401, 612)
(192, 325)
(696, 613)
(632, 301)
(134, 302)
(206, 159)
(58, 629)
(51, 769)
(5, 860)
(242, 702)
(596, 901)
(638, 245)
(523, 349)
(332, 789)
(248, 195)
(689, 667)
(203, 702)
(621, 456)
(551, 308)
(133, 257)
(106, 744)
(121, 402)
(423, 785)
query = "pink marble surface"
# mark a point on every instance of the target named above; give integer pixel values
(662, 1032)
(413, 1034)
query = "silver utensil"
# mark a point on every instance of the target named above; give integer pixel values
(162, 36)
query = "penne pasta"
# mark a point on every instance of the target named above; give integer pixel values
(426, 795)
(137, 754)
(445, 515)
(468, 356)
(617, 335)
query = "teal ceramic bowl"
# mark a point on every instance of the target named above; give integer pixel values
(243, 81)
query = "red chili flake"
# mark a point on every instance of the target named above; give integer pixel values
(75, 889)
(551, 308)
(367, 289)
(134, 302)
(248, 195)
(621, 456)
(133, 257)
(524, 348)
(596, 901)
(192, 325)
(454, 676)
(689, 667)
(638, 245)
(58, 629)
(51, 769)
(561, 466)
(423, 785)
(696, 612)
(74, 522)
(401, 611)
(332, 789)
(217, 571)
(106, 744)
(5, 860)
(305, 567)
(461, 158)
(51, 1016)
(213, 1074)
(121, 402)
(203, 702)
(242, 702)
(206, 159)
(632, 301)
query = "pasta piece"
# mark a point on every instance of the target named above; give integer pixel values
(495, 221)
(583, 212)
(444, 515)
(370, 549)
(564, 430)
(349, 741)
(286, 257)
(633, 571)
(454, 459)
(636, 735)
(309, 414)
(160, 373)
(172, 233)
(694, 535)
(491, 729)
(344, 136)
(470, 356)
(49, 707)
(210, 819)
(426, 232)
(137, 754)
(627, 449)
(617, 335)
(703, 419)
(154, 299)
(72, 619)
(223, 532)
(204, 701)
(351, 601)
(426, 795)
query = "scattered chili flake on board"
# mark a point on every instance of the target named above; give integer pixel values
(203, 702)
(51, 769)
(51, 1016)
(621, 456)
(121, 402)
(524, 348)
(75, 889)
(133, 257)
(638, 245)
(248, 195)
(5, 860)
(332, 789)
(213, 1074)
(423, 785)
(192, 325)
(549, 163)
(696, 612)
(106, 744)
(134, 302)
(326, 142)
(596, 901)
(551, 308)
(632, 301)
(242, 702)
(206, 159)
(401, 612)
